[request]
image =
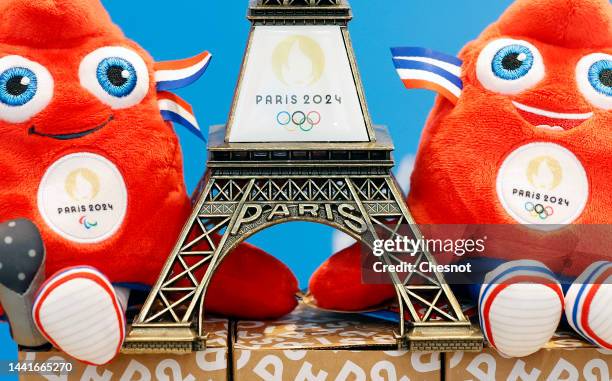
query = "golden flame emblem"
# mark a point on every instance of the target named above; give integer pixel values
(544, 172)
(298, 61)
(82, 184)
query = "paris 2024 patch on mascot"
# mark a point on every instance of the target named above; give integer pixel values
(522, 135)
(92, 187)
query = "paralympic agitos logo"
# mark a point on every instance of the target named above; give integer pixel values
(87, 224)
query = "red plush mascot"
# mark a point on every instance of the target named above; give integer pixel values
(88, 156)
(522, 135)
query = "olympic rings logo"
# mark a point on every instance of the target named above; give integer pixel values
(539, 210)
(299, 119)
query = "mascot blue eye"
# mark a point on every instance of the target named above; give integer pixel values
(512, 62)
(117, 76)
(18, 86)
(600, 77)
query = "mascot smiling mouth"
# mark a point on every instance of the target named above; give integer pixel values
(551, 120)
(72, 135)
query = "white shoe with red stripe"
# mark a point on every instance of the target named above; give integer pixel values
(520, 306)
(588, 304)
(78, 311)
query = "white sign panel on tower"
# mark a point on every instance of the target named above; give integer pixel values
(297, 86)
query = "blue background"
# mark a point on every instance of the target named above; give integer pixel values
(179, 29)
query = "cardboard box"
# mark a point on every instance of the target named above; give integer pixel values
(315, 345)
(566, 357)
(210, 364)
(311, 344)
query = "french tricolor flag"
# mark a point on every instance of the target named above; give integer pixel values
(174, 109)
(421, 68)
(171, 75)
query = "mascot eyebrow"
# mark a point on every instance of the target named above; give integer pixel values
(172, 75)
(422, 68)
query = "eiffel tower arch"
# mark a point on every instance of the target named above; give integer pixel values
(251, 185)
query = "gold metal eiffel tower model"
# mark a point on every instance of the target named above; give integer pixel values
(299, 145)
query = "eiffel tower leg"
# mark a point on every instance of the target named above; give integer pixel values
(166, 324)
(454, 305)
(400, 291)
(221, 252)
(452, 330)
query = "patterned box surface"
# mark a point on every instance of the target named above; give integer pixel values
(208, 365)
(315, 345)
(565, 357)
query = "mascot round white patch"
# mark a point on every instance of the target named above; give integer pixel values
(543, 185)
(83, 198)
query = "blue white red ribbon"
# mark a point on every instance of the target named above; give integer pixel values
(171, 75)
(421, 68)
(174, 109)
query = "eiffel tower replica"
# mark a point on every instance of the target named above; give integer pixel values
(299, 145)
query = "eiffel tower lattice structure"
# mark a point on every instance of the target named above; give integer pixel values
(250, 186)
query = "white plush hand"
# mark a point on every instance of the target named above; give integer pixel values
(520, 306)
(79, 312)
(588, 304)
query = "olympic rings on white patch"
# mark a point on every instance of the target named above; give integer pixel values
(299, 119)
(539, 210)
